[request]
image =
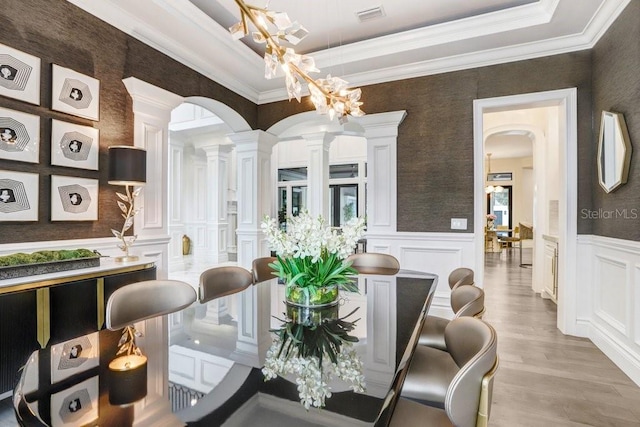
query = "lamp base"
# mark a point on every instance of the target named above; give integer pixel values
(126, 258)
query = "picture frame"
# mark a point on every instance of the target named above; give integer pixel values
(74, 199)
(76, 405)
(74, 356)
(19, 193)
(74, 146)
(19, 136)
(75, 93)
(19, 75)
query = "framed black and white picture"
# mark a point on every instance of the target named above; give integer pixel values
(19, 136)
(74, 199)
(74, 356)
(74, 145)
(19, 75)
(74, 93)
(18, 196)
(76, 405)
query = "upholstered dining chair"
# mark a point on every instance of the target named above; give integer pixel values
(374, 263)
(460, 276)
(144, 300)
(465, 301)
(464, 399)
(261, 270)
(222, 281)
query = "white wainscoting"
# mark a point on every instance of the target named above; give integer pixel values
(437, 253)
(609, 298)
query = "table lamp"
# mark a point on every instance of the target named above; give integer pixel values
(128, 167)
(128, 371)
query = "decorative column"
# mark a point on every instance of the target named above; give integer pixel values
(253, 152)
(217, 186)
(381, 131)
(318, 173)
(152, 108)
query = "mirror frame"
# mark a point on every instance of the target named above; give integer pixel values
(604, 141)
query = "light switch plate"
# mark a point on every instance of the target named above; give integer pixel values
(458, 223)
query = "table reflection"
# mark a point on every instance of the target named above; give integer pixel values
(215, 344)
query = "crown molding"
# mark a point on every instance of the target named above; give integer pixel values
(220, 57)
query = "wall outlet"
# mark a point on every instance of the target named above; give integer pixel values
(458, 223)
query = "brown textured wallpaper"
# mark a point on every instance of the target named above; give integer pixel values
(60, 33)
(616, 87)
(435, 141)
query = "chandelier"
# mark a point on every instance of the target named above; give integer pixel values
(490, 188)
(329, 96)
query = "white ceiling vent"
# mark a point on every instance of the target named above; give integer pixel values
(372, 13)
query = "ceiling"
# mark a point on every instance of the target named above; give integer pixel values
(413, 37)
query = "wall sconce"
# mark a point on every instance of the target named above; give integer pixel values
(128, 167)
(128, 373)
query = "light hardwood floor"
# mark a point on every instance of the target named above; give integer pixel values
(547, 379)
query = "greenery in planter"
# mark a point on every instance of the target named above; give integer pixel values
(45, 256)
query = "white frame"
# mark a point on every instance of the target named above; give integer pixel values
(31, 182)
(30, 91)
(31, 122)
(89, 416)
(59, 76)
(58, 130)
(58, 212)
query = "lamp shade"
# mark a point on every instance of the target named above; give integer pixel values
(127, 379)
(127, 165)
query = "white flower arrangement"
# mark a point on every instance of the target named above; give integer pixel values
(313, 379)
(311, 254)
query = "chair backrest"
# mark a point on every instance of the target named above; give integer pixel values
(473, 345)
(261, 270)
(467, 301)
(222, 281)
(526, 232)
(374, 263)
(144, 300)
(460, 276)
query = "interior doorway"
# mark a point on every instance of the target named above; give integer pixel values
(564, 124)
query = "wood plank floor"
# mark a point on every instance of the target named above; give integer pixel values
(547, 379)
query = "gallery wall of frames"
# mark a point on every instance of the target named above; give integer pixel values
(72, 144)
(62, 104)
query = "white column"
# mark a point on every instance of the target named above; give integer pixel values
(381, 131)
(152, 112)
(217, 191)
(318, 173)
(177, 202)
(151, 115)
(253, 151)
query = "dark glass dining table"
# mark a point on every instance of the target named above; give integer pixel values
(215, 358)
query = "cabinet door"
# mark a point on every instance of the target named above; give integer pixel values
(73, 310)
(18, 335)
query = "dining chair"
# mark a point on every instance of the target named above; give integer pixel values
(374, 263)
(460, 276)
(466, 301)
(508, 241)
(472, 345)
(222, 281)
(526, 233)
(144, 300)
(261, 270)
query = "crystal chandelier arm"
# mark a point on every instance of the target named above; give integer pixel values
(337, 99)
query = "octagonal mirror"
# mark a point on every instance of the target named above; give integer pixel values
(614, 151)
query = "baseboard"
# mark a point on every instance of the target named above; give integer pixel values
(624, 357)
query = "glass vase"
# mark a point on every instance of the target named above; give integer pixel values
(322, 297)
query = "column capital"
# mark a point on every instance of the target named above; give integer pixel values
(253, 140)
(150, 99)
(213, 148)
